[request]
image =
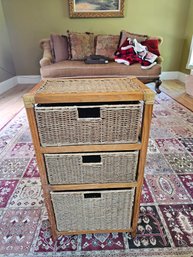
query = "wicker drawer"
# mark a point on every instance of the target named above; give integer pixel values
(98, 124)
(93, 210)
(98, 167)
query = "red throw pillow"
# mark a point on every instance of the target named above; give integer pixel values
(152, 45)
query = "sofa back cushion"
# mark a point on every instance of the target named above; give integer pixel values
(81, 45)
(124, 35)
(106, 45)
(59, 47)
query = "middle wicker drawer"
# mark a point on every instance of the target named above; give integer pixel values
(84, 168)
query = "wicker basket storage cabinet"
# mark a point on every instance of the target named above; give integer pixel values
(90, 138)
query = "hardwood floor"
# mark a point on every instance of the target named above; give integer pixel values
(11, 101)
(176, 90)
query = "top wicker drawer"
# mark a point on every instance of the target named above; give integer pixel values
(96, 124)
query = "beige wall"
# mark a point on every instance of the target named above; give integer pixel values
(187, 39)
(7, 69)
(30, 20)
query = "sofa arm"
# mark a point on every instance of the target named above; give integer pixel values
(160, 39)
(47, 54)
(160, 59)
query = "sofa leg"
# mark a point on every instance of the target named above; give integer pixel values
(157, 85)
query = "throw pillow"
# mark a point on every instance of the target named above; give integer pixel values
(152, 46)
(81, 45)
(59, 47)
(124, 35)
(107, 45)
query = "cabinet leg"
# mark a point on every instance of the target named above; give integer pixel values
(133, 233)
(54, 235)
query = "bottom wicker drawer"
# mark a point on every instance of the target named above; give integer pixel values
(93, 210)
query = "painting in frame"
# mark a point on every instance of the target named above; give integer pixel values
(96, 8)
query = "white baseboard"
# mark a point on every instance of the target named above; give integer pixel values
(8, 84)
(12, 82)
(28, 79)
(170, 75)
(33, 79)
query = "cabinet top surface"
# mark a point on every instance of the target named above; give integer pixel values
(89, 89)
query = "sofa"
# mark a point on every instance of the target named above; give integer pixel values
(64, 56)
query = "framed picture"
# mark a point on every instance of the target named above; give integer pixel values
(96, 8)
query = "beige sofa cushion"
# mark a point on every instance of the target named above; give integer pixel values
(70, 68)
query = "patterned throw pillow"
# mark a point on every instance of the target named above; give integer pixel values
(107, 45)
(124, 35)
(81, 45)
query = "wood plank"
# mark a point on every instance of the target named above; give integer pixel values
(91, 186)
(93, 231)
(90, 148)
(81, 98)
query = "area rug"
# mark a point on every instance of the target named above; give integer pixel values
(165, 226)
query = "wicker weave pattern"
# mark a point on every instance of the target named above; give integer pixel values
(70, 168)
(90, 85)
(61, 126)
(112, 210)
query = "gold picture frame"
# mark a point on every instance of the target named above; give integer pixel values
(96, 8)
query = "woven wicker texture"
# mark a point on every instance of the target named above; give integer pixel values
(60, 125)
(90, 85)
(109, 168)
(75, 212)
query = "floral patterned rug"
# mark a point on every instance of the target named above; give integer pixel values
(165, 226)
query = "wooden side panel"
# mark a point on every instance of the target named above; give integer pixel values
(142, 160)
(42, 170)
